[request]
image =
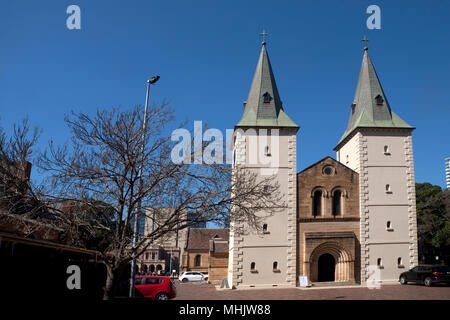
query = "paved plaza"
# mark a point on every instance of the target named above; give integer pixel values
(204, 291)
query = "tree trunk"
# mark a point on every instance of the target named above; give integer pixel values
(109, 289)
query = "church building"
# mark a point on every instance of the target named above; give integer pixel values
(342, 218)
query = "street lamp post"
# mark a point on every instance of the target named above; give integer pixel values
(150, 81)
(170, 263)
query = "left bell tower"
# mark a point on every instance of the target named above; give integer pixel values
(265, 143)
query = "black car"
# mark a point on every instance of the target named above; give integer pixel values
(426, 274)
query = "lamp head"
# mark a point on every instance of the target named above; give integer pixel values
(152, 80)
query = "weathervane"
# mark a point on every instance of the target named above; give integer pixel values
(264, 34)
(365, 40)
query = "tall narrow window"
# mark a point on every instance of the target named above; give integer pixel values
(275, 266)
(317, 203)
(388, 189)
(265, 228)
(337, 203)
(389, 226)
(386, 150)
(399, 262)
(379, 263)
(197, 260)
(253, 267)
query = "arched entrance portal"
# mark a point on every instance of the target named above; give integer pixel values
(329, 261)
(326, 268)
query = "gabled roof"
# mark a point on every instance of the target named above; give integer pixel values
(367, 111)
(199, 238)
(322, 160)
(263, 107)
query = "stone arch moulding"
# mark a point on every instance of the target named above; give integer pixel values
(341, 189)
(328, 170)
(344, 270)
(319, 188)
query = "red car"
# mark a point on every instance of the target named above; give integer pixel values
(157, 288)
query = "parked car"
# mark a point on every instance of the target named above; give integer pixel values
(426, 274)
(155, 287)
(192, 276)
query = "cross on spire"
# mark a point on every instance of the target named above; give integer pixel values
(264, 34)
(365, 40)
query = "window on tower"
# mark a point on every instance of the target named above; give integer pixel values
(267, 97)
(389, 226)
(253, 268)
(379, 263)
(379, 99)
(275, 267)
(388, 188)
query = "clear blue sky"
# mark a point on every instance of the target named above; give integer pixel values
(206, 53)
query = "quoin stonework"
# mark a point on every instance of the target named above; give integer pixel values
(342, 217)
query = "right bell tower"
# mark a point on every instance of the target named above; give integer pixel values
(378, 145)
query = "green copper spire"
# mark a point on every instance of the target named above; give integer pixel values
(370, 107)
(263, 106)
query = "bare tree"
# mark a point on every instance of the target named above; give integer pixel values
(22, 209)
(101, 166)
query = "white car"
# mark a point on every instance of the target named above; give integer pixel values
(192, 276)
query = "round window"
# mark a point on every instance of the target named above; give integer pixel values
(328, 171)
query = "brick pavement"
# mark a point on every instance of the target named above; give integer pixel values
(203, 291)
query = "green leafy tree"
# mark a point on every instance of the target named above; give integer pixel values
(433, 221)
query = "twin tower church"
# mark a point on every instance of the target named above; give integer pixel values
(345, 219)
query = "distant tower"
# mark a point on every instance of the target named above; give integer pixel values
(267, 258)
(378, 145)
(447, 172)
